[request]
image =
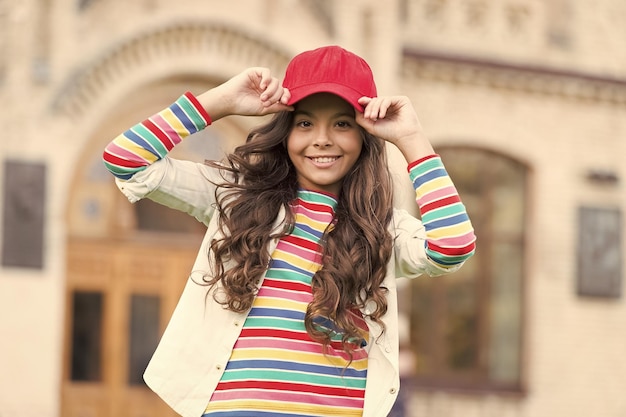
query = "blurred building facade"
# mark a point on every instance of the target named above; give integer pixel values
(524, 99)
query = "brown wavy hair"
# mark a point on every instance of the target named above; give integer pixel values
(355, 251)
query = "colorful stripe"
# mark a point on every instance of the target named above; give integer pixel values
(450, 238)
(275, 366)
(151, 140)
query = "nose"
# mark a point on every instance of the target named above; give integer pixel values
(322, 139)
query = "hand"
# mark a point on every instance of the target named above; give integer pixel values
(394, 119)
(253, 92)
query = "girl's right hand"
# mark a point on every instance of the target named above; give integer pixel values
(253, 92)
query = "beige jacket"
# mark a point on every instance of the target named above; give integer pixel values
(199, 338)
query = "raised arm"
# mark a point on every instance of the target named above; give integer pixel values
(151, 140)
(251, 92)
(450, 238)
(138, 159)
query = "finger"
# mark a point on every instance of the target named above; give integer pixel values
(264, 75)
(372, 109)
(286, 96)
(364, 101)
(362, 121)
(384, 107)
(274, 91)
(265, 82)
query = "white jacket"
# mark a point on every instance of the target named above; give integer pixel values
(199, 338)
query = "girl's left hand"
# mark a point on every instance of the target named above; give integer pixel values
(394, 119)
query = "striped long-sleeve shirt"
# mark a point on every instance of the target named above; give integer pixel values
(275, 368)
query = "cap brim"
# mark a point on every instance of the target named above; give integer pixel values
(340, 90)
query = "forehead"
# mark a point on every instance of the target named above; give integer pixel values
(324, 102)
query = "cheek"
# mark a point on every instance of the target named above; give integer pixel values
(357, 146)
(289, 144)
(358, 150)
(355, 155)
(292, 146)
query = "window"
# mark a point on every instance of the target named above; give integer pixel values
(599, 251)
(86, 362)
(24, 214)
(466, 327)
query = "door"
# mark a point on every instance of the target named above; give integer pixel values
(119, 298)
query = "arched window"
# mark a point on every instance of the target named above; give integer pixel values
(467, 327)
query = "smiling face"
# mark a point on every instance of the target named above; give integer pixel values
(324, 143)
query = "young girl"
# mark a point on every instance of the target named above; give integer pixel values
(290, 309)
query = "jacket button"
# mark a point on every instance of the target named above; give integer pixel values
(218, 367)
(393, 391)
(236, 324)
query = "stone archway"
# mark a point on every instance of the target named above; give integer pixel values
(123, 279)
(202, 48)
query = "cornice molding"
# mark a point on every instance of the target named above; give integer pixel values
(193, 39)
(570, 85)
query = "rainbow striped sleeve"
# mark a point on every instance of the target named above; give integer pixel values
(450, 238)
(150, 140)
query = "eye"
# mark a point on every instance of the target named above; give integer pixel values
(303, 123)
(344, 124)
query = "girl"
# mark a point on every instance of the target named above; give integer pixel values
(291, 308)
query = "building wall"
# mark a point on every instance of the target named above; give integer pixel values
(571, 349)
(543, 82)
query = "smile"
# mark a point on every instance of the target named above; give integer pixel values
(324, 159)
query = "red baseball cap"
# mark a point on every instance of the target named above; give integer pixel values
(329, 69)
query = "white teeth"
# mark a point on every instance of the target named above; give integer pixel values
(324, 159)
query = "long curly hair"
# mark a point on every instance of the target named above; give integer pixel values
(355, 252)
